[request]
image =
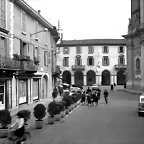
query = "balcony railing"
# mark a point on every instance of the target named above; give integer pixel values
(8, 63)
(28, 66)
(117, 67)
(78, 67)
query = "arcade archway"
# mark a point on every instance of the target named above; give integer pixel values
(106, 77)
(78, 76)
(91, 77)
(121, 77)
(66, 77)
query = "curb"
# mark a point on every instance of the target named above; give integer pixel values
(130, 92)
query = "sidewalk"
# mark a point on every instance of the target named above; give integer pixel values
(130, 91)
(30, 107)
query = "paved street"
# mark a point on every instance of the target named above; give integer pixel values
(115, 123)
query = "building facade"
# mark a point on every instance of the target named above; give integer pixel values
(27, 42)
(135, 46)
(96, 61)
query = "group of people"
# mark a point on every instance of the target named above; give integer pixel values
(91, 97)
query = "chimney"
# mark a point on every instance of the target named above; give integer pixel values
(39, 11)
(61, 36)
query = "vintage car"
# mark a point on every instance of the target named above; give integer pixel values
(95, 87)
(141, 105)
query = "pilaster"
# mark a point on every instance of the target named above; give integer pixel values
(85, 80)
(112, 79)
(72, 79)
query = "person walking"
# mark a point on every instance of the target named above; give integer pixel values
(106, 95)
(89, 100)
(83, 98)
(88, 90)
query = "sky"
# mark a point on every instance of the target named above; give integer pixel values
(87, 19)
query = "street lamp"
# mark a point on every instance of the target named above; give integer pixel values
(45, 30)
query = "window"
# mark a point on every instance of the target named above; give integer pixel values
(2, 92)
(121, 60)
(3, 14)
(35, 89)
(137, 64)
(36, 53)
(36, 29)
(78, 61)
(90, 49)
(105, 49)
(90, 61)
(66, 62)
(45, 58)
(78, 50)
(49, 57)
(23, 21)
(121, 49)
(65, 50)
(105, 61)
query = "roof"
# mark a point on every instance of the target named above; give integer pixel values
(87, 42)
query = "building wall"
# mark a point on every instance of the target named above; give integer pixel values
(43, 44)
(98, 55)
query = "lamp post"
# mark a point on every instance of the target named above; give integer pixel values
(45, 30)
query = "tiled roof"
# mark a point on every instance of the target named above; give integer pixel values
(86, 42)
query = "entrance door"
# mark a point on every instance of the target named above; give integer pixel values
(2, 95)
(105, 77)
(44, 88)
(91, 78)
(121, 77)
(22, 91)
(35, 89)
(78, 78)
(66, 77)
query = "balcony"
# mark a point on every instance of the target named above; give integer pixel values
(78, 67)
(9, 64)
(28, 66)
(118, 67)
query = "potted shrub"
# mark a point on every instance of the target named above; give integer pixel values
(27, 114)
(67, 100)
(62, 105)
(52, 110)
(70, 107)
(5, 120)
(39, 113)
(58, 110)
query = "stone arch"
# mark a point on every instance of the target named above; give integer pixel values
(91, 77)
(66, 75)
(121, 78)
(106, 77)
(78, 76)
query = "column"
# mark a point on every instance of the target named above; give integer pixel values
(130, 64)
(142, 13)
(112, 79)
(72, 79)
(85, 81)
(31, 92)
(14, 92)
(100, 80)
(115, 79)
(142, 64)
(97, 79)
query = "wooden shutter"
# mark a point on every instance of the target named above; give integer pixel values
(68, 50)
(103, 61)
(6, 45)
(107, 49)
(108, 59)
(68, 62)
(92, 49)
(123, 61)
(33, 51)
(93, 61)
(118, 60)
(88, 49)
(63, 61)
(80, 61)
(38, 53)
(80, 50)
(88, 61)
(63, 50)
(103, 49)
(45, 58)
(118, 49)
(123, 49)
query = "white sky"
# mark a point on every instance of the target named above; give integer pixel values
(87, 19)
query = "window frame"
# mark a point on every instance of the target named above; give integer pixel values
(66, 64)
(23, 23)
(4, 11)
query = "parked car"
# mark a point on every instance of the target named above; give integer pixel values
(95, 87)
(141, 105)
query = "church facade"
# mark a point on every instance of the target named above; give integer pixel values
(135, 46)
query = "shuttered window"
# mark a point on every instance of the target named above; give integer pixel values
(45, 58)
(105, 49)
(120, 49)
(78, 50)
(66, 62)
(23, 21)
(90, 50)
(3, 14)
(90, 61)
(105, 61)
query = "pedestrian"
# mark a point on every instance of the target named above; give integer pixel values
(88, 90)
(83, 98)
(95, 97)
(98, 93)
(89, 100)
(106, 95)
(55, 92)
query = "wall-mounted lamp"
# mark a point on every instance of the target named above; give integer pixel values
(45, 30)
